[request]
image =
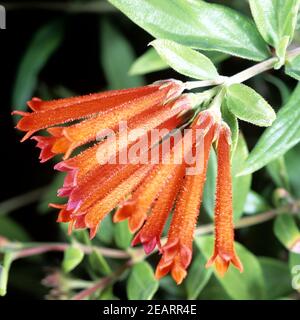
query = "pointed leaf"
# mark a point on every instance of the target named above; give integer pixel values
(249, 106)
(287, 232)
(277, 278)
(197, 278)
(98, 263)
(185, 60)
(278, 139)
(292, 68)
(116, 57)
(72, 258)
(255, 203)
(141, 284)
(43, 44)
(276, 20)
(197, 24)
(150, 61)
(4, 271)
(122, 234)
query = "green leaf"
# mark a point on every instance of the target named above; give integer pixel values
(98, 263)
(210, 185)
(169, 286)
(255, 203)
(43, 44)
(248, 105)
(185, 60)
(116, 57)
(284, 90)
(277, 171)
(287, 232)
(141, 284)
(240, 184)
(276, 20)
(294, 265)
(106, 232)
(150, 61)
(72, 258)
(292, 68)
(215, 56)
(214, 291)
(232, 121)
(293, 169)
(12, 230)
(197, 24)
(247, 285)
(4, 271)
(278, 139)
(198, 277)
(277, 278)
(122, 235)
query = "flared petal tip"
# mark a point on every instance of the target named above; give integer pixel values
(148, 244)
(124, 211)
(178, 274)
(222, 263)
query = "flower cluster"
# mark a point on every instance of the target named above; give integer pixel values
(146, 193)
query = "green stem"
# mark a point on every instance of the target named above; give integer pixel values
(103, 283)
(243, 75)
(31, 249)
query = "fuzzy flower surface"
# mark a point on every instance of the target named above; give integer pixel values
(87, 132)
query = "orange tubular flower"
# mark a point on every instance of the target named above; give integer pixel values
(98, 180)
(224, 252)
(177, 252)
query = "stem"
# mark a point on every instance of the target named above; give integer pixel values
(91, 7)
(206, 83)
(245, 222)
(243, 75)
(252, 71)
(35, 249)
(103, 283)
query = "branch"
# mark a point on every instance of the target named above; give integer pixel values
(103, 283)
(243, 75)
(33, 249)
(293, 208)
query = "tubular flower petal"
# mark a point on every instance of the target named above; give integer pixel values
(115, 169)
(224, 251)
(177, 252)
(91, 105)
(151, 232)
